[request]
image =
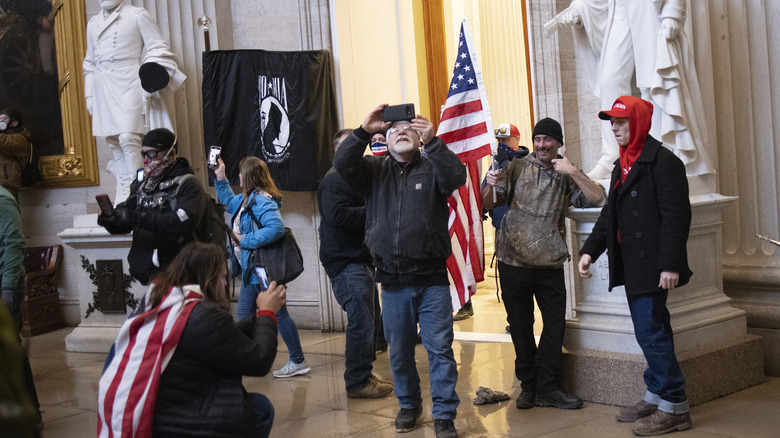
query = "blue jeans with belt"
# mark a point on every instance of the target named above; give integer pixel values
(663, 377)
(287, 328)
(356, 292)
(403, 306)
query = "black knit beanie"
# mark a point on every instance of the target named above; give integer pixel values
(160, 139)
(550, 127)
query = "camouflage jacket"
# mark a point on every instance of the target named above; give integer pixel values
(532, 231)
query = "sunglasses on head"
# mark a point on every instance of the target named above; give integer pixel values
(501, 131)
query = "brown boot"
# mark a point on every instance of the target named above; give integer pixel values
(374, 389)
(629, 414)
(660, 422)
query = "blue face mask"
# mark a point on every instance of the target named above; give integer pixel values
(378, 148)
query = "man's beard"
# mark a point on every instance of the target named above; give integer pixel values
(403, 147)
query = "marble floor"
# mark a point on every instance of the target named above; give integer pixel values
(316, 405)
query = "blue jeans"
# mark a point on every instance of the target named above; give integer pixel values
(263, 412)
(538, 369)
(403, 306)
(285, 324)
(663, 377)
(356, 293)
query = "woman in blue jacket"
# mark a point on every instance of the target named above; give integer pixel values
(261, 196)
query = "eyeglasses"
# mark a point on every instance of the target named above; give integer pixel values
(150, 154)
(400, 128)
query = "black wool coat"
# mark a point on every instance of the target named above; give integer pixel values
(652, 212)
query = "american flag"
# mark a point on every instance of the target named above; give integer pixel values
(467, 129)
(127, 391)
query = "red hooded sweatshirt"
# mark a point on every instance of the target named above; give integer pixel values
(640, 115)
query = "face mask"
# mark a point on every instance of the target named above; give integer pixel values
(3, 125)
(378, 148)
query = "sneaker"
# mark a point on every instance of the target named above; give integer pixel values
(463, 313)
(660, 422)
(374, 389)
(526, 400)
(629, 414)
(445, 429)
(407, 419)
(558, 399)
(292, 369)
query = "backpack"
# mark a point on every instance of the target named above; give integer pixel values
(31, 173)
(212, 227)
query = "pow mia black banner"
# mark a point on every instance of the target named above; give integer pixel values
(278, 106)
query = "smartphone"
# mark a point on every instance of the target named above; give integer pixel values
(214, 155)
(106, 206)
(263, 276)
(394, 113)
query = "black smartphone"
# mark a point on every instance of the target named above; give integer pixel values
(106, 206)
(394, 113)
(263, 276)
(214, 152)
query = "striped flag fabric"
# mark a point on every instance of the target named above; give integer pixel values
(127, 391)
(467, 129)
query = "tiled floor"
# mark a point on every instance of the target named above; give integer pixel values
(316, 405)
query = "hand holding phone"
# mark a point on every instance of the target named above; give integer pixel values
(214, 153)
(106, 206)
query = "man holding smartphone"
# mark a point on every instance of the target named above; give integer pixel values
(406, 195)
(163, 210)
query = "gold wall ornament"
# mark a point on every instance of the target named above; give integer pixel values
(70, 166)
(78, 167)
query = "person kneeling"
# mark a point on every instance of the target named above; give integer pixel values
(176, 366)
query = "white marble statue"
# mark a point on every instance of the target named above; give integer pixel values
(119, 39)
(620, 39)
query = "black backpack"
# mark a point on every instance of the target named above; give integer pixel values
(31, 173)
(212, 227)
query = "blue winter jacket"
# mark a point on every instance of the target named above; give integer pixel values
(266, 211)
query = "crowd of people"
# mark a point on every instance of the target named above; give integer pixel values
(643, 225)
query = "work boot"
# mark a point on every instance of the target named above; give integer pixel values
(445, 429)
(660, 422)
(526, 400)
(465, 312)
(374, 389)
(406, 420)
(629, 414)
(558, 399)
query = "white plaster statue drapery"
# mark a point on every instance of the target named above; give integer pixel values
(119, 39)
(645, 39)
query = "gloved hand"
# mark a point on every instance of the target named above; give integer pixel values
(8, 298)
(106, 219)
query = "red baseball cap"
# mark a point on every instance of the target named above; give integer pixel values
(505, 130)
(618, 110)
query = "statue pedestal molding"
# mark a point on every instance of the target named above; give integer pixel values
(603, 362)
(97, 332)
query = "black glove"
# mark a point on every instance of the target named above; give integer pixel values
(106, 219)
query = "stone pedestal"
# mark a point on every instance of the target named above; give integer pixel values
(600, 338)
(97, 332)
